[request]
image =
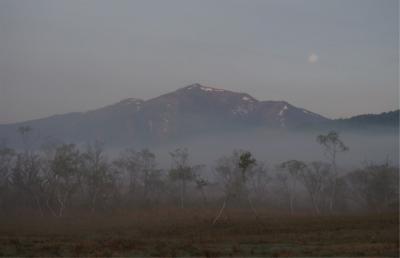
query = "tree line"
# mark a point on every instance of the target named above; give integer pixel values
(62, 179)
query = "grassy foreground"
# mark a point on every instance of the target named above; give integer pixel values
(172, 232)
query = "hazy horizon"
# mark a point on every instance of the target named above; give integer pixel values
(336, 58)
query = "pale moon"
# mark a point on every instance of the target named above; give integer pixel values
(313, 58)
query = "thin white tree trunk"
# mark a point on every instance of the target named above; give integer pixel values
(332, 199)
(254, 210)
(220, 212)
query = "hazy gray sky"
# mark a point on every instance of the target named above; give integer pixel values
(336, 58)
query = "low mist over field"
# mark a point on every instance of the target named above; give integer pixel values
(275, 146)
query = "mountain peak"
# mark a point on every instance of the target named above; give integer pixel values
(197, 86)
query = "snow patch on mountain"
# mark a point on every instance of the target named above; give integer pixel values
(282, 111)
(211, 89)
(249, 99)
(204, 88)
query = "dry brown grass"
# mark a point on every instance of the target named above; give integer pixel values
(175, 232)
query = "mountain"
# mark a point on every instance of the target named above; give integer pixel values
(197, 109)
(371, 122)
(190, 111)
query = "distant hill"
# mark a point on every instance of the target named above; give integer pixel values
(190, 111)
(386, 119)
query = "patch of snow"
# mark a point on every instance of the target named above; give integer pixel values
(204, 88)
(209, 89)
(283, 110)
(249, 98)
(305, 111)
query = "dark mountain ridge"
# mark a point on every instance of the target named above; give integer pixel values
(187, 112)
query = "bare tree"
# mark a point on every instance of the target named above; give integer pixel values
(332, 145)
(227, 173)
(317, 179)
(148, 172)
(27, 175)
(201, 184)
(7, 163)
(246, 162)
(375, 187)
(98, 178)
(181, 171)
(155, 185)
(259, 180)
(235, 172)
(63, 178)
(28, 179)
(128, 165)
(289, 173)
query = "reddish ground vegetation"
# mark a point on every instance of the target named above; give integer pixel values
(175, 232)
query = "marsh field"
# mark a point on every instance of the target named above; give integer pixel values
(190, 232)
